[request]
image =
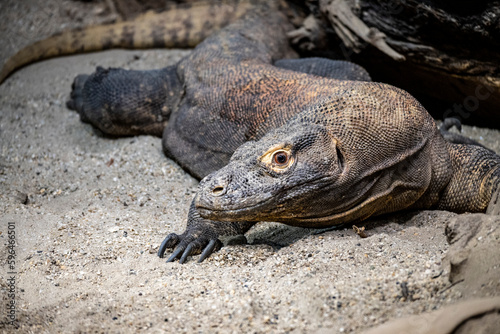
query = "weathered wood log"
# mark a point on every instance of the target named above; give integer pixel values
(445, 53)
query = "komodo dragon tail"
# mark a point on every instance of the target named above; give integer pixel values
(182, 27)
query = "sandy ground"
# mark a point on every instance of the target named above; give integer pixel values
(89, 213)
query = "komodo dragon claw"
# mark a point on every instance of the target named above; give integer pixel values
(187, 245)
(212, 245)
(169, 241)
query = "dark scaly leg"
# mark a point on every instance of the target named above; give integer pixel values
(475, 182)
(123, 103)
(201, 236)
(335, 69)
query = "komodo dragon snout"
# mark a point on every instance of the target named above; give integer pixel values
(315, 171)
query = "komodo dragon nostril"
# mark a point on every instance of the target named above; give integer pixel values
(218, 191)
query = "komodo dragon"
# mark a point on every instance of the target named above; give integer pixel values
(306, 142)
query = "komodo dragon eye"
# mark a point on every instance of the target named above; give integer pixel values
(278, 159)
(281, 158)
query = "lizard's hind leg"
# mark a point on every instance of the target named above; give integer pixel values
(475, 182)
(123, 103)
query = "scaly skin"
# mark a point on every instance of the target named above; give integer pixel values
(310, 147)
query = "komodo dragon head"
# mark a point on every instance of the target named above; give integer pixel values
(362, 151)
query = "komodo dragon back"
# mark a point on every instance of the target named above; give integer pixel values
(184, 26)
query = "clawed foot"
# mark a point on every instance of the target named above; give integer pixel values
(189, 243)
